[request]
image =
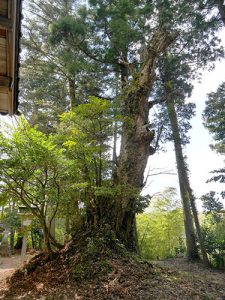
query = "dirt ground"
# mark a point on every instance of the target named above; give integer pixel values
(7, 267)
(174, 279)
(193, 270)
(213, 277)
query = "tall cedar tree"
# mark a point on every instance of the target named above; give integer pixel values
(127, 38)
(174, 87)
(177, 71)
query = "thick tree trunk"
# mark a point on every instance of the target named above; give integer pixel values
(136, 138)
(192, 252)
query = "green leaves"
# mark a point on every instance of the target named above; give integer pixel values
(211, 203)
(66, 28)
(214, 114)
(32, 167)
(85, 133)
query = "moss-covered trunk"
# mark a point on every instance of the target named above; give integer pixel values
(136, 138)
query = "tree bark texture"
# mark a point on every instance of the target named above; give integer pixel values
(136, 136)
(192, 252)
(198, 226)
(184, 180)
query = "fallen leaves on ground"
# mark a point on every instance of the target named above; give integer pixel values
(126, 278)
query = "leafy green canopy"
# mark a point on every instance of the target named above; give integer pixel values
(214, 121)
(69, 42)
(211, 203)
(174, 84)
(32, 169)
(63, 173)
(38, 168)
(85, 134)
(214, 116)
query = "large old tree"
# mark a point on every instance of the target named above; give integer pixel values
(101, 43)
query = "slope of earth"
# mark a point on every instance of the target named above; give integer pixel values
(113, 278)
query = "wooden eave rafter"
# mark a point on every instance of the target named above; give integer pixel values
(10, 28)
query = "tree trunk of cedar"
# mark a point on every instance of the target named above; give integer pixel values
(189, 192)
(198, 227)
(221, 8)
(136, 138)
(192, 252)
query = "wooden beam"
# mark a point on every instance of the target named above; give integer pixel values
(5, 81)
(5, 23)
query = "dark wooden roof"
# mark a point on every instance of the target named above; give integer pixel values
(10, 26)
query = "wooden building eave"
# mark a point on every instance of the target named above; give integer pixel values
(10, 31)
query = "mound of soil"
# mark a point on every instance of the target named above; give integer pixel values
(122, 278)
(93, 271)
